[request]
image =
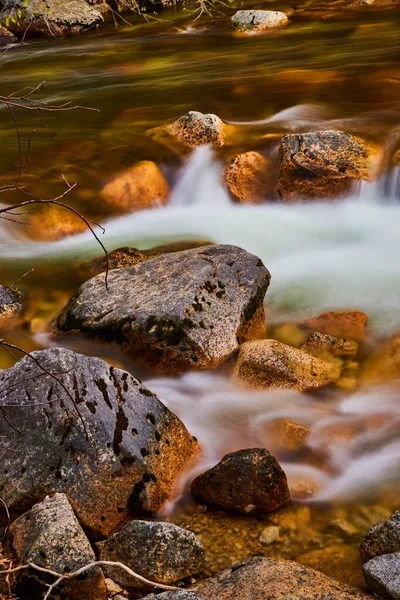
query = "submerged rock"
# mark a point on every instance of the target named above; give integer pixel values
(90, 431)
(269, 579)
(51, 223)
(383, 364)
(10, 303)
(50, 536)
(267, 364)
(186, 310)
(196, 129)
(340, 561)
(247, 21)
(246, 481)
(323, 164)
(347, 324)
(383, 538)
(382, 575)
(140, 187)
(161, 552)
(247, 177)
(326, 346)
(49, 17)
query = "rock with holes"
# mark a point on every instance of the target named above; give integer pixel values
(49, 17)
(383, 538)
(248, 21)
(264, 364)
(186, 310)
(49, 535)
(160, 552)
(268, 579)
(246, 481)
(324, 164)
(10, 303)
(193, 129)
(73, 424)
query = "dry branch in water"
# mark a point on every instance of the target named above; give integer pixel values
(100, 563)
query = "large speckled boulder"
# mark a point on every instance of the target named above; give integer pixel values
(383, 538)
(382, 575)
(50, 536)
(99, 436)
(265, 364)
(186, 310)
(10, 303)
(247, 21)
(269, 579)
(140, 187)
(161, 552)
(247, 177)
(323, 164)
(49, 17)
(246, 481)
(196, 129)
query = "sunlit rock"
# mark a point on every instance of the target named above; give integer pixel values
(49, 17)
(10, 303)
(266, 364)
(247, 177)
(50, 536)
(191, 130)
(324, 164)
(246, 481)
(75, 425)
(347, 324)
(247, 21)
(51, 223)
(140, 187)
(177, 311)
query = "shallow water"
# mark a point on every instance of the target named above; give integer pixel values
(331, 67)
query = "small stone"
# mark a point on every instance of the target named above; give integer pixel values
(247, 481)
(347, 324)
(141, 187)
(113, 588)
(324, 164)
(269, 535)
(196, 129)
(247, 177)
(50, 536)
(325, 346)
(266, 364)
(247, 21)
(382, 575)
(10, 303)
(160, 552)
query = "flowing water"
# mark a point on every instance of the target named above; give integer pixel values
(332, 67)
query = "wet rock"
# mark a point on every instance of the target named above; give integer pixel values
(264, 364)
(112, 588)
(288, 333)
(186, 310)
(161, 552)
(177, 595)
(383, 538)
(340, 561)
(49, 17)
(247, 178)
(325, 346)
(247, 21)
(383, 364)
(382, 575)
(347, 324)
(285, 435)
(98, 436)
(246, 481)
(322, 164)
(196, 129)
(10, 303)
(176, 247)
(269, 579)
(50, 536)
(140, 187)
(51, 223)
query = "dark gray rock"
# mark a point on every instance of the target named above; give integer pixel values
(50, 536)
(246, 481)
(10, 303)
(186, 310)
(49, 17)
(382, 575)
(111, 446)
(161, 552)
(269, 579)
(383, 538)
(258, 20)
